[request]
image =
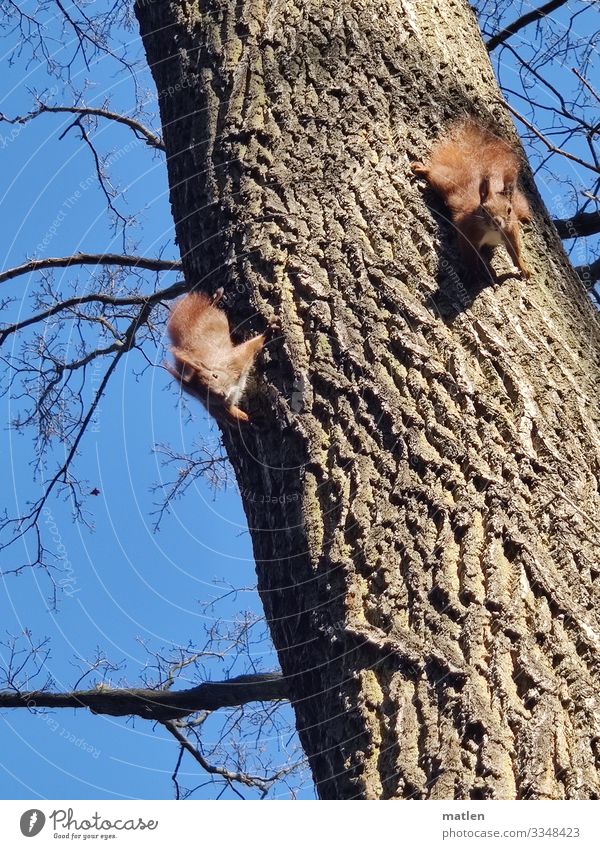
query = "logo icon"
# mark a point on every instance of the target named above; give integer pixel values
(32, 822)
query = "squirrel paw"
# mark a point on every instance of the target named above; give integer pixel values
(233, 415)
(525, 272)
(419, 168)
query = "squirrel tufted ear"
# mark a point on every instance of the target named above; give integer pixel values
(484, 188)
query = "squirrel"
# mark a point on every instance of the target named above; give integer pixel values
(476, 174)
(208, 365)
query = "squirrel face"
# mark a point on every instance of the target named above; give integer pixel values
(468, 161)
(497, 204)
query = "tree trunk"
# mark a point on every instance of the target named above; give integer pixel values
(422, 483)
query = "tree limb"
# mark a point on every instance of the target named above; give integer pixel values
(152, 140)
(148, 263)
(581, 224)
(523, 21)
(160, 705)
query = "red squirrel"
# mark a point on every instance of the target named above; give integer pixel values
(207, 363)
(476, 174)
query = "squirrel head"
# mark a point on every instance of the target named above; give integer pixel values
(497, 202)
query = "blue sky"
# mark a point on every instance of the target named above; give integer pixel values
(128, 585)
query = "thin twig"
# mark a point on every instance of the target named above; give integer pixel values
(590, 88)
(548, 144)
(240, 777)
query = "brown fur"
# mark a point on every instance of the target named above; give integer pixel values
(476, 175)
(207, 363)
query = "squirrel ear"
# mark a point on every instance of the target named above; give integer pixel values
(484, 188)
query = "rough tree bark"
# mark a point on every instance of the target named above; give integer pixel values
(422, 490)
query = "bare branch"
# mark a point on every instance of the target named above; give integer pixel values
(207, 461)
(26, 523)
(96, 297)
(85, 34)
(261, 782)
(24, 660)
(45, 35)
(107, 190)
(142, 132)
(176, 773)
(161, 705)
(586, 84)
(147, 263)
(552, 148)
(564, 110)
(523, 21)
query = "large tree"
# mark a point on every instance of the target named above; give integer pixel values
(422, 489)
